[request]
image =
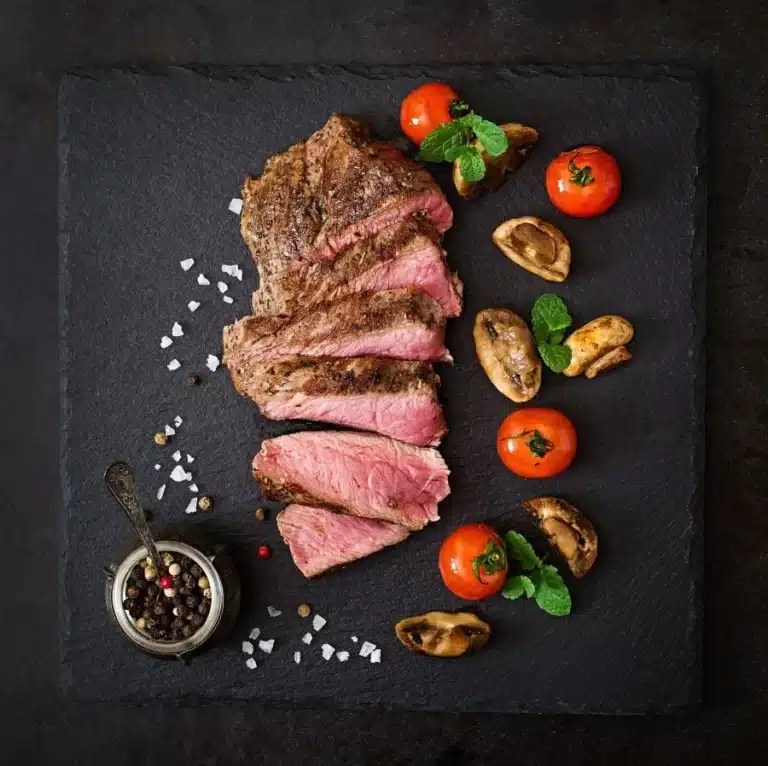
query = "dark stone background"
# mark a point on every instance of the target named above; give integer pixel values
(39, 39)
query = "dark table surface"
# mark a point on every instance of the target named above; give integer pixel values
(41, 38)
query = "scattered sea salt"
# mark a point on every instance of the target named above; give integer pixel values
(169, 431)
(161, 492)
(193, 487)
(247, 647)
(228, 299)
(366, 648)
(223, 287)
(318, 622)
(254, 634)
(307, 638)
(342, 656)
(376, 655)
(236, 205)
(176, 330)
(251, 663)
(176, 456)
(297, 657)
(165, 341)
(355, 639)
(328, 651)
(179, 474)
(266, 646)
(192, 507)
(203, 280)
(187, 263)
(212, 363)
(190, 459)
(177, 421)
(174, 365)
(273, 612)
(193, 305)
(234, 271)
(157, 466)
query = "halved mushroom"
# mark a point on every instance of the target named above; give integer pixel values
(443, 634)
(520, 137)
(507, 352)
(567, 529)
(535, 245)
(599, 346)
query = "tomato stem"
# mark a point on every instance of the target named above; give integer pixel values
(492, 559)
(581, 176)
(538, 444)
(458, 108)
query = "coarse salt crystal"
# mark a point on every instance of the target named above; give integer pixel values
(187, 263)
(247, 647)
(342, 656)
(376, 655)
(157, 466)
(233, 271)
(355, 639)
(273, 612)
(193, 305)
(177, 421)
(236, 205)
(318, 622)
(190, 459)
(307, 638)
(176, 330)
(366, 648)
(223, 287)
(212, 362)
(297, 657)
(165, 341)
(169, 431)
(328, 651)
(179, 474)
(193, 487)
(176, 456)
(174, 365)
(251, 663)
(192, 507)
(203, 280)
(161, 492)
(228, 299)
(254, 634)
(266, 646)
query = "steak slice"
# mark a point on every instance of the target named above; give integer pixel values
(392, 397)
(325, 193)
(398, 324)
(405, 255)
(362, 474)
(320, 539)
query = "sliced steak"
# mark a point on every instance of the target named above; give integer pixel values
(362, 474)
(399, 324)
(320, 539)
(405, 255)
(392, 397)
(339, 186)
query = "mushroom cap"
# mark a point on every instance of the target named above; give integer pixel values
(596, 340)
(443, 634)
(536, 245)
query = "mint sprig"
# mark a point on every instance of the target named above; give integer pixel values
(539, 580)
(549, 321)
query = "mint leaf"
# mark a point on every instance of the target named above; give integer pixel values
(492, 137)
(540, 329)
(454, 152)
(443, 138)
(557, 358)
(552, 593)
(521, 550)
(557, 337)
(471, 164)
(517, 586)
(470, 120)
(551, 309)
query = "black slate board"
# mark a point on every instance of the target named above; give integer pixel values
(148, 165)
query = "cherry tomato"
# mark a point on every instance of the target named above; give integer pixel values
(536, 442)
(584, 182)
(473, 562)
(426, 108)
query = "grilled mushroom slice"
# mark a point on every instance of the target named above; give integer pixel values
(521, 138)
(599, 346)
(443, 634)
(507, 352)
(536, 245)
(567, 529)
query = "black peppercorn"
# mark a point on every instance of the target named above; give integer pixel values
(152, 589)
(177, 600)
(193, 380)
(177, 634)
(192, 602)
(131, 603)
(197, 620)
(132, 592)
(164, 620)
(152, 623)
(196, 570)
(137, 573)
(177, 624)
(162, 634)
(135, 612)
(146, 613)
(204, 608)
(160, 608)
(187, 631)
(185, 591)
(189, 578)
(181, 610)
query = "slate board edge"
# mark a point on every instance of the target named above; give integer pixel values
(698, 263)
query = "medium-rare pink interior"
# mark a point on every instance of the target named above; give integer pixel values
(364, 474)
(320, 539)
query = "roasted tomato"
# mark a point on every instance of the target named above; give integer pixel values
(584, 182)
(537, 442)
(473, 562)
(428, 107)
